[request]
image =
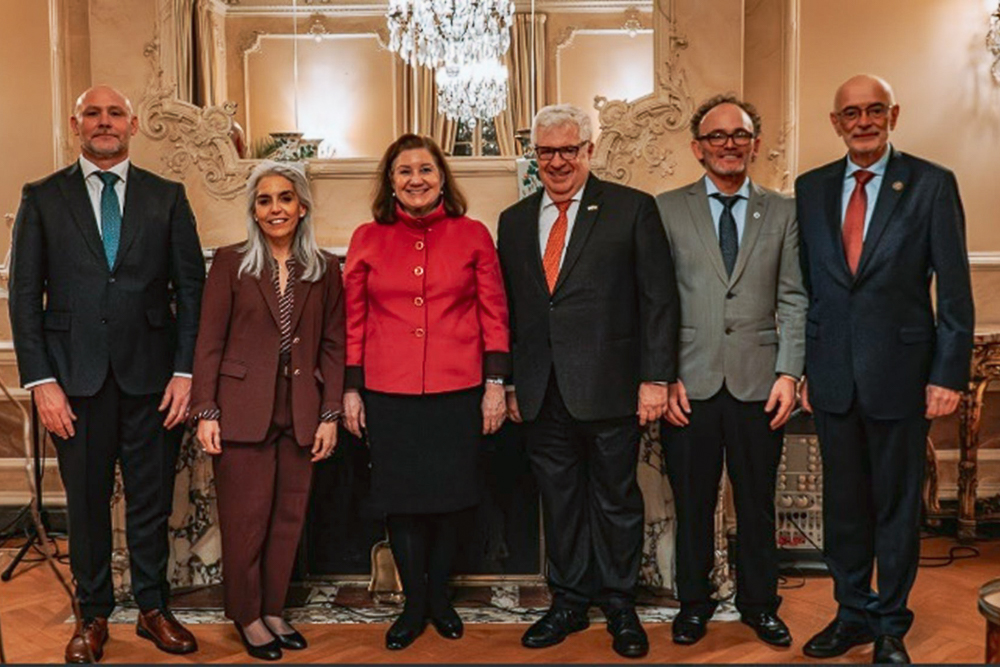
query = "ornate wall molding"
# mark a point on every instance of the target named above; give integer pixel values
(199, 136)
(633, 135)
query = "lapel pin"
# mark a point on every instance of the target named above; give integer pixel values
(898, 186)
(756, 215)
(592, 207)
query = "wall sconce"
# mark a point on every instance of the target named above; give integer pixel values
(993, 42)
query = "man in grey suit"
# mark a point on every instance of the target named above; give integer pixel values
(735, 247)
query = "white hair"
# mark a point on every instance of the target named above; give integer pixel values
(555, 115)
(305, 249)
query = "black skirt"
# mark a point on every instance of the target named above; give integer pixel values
(424, 450)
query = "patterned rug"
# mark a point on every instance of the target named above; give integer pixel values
(352, 604)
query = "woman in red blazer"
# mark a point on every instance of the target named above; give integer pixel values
(268, 380)
(426, 330)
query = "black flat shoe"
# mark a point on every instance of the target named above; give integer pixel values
(769, 627)
(268, 651)
(293, 641)
(448, 624)
(403, 632)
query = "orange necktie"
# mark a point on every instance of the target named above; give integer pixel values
(554, 246)
(854, 220)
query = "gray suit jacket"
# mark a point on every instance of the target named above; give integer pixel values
(745, 329)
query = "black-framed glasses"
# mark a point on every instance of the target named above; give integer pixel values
(876, 112)
(720, 138)
(568, 153)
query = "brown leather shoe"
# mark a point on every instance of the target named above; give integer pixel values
(161, 628)
(93, 633)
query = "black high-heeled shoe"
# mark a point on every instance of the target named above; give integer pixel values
(448, 623)
(268, 651)
(403, 632)
(293, 641)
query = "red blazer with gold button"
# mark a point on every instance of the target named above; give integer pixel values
(426, 309)
(239, 337)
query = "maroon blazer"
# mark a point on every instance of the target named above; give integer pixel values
(236, 356)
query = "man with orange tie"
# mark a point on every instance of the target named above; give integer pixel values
(876, 228)
(594, 324)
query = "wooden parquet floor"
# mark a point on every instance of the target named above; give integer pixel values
(948, 629)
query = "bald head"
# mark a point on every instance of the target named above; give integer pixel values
(102, 91)
(864, 114)
(104, 121)
(864, 84)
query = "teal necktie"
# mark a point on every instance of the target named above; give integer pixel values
(111, 216)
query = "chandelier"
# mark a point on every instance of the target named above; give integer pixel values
(438, 33)
(472, 91)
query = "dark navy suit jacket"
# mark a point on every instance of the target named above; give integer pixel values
(875, 335)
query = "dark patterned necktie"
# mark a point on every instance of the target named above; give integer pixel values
(729, 242)
(111, 216)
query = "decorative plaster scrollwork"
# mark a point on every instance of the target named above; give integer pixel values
(200, 136)
(633, 134)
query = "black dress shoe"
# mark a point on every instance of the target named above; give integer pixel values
(268, 651)
(890, 650)
(403, 632)
(837, 639)
(769, 628)
(448, 624)
(630, 639)
(554, 627)
(688, 628)
(292, 641)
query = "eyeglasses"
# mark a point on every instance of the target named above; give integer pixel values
(876, 112)
(720, 138)
(568, 153)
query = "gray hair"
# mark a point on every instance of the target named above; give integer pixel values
(555, 115)
(305, 250)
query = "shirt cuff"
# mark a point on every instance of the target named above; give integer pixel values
(211, 414)
(182, 375)
(32, 385)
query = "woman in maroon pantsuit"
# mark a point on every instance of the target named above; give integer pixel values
(268, 381)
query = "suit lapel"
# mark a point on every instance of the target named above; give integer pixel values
(701, 218)
(586, 216)
(833, 196)
(301, 291)
(896, 171)
(266, 285)
(753, 222)
(82, 211)
(533, 249)
(134, 205)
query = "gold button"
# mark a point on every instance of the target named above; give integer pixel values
(295, 340)
(419, 333)
(419, 301)
(296, 372)
(419, 245)
(419, 271)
